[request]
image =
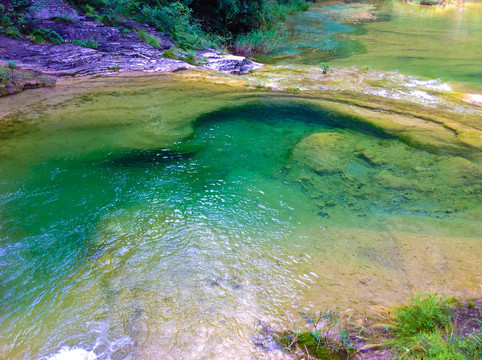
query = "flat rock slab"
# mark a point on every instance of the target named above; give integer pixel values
(69, 59)
(115, 52)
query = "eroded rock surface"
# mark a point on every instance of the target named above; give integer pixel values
(230, 64)
(92, 47)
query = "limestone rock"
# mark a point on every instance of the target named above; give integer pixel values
(229, 64)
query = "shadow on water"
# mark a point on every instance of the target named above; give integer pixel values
(275, 113)
(140, 159)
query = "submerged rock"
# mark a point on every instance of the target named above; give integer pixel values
(325, 153)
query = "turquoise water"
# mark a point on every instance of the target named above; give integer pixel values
(427, 41)
(114, 247)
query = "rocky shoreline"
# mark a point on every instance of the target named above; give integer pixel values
(92, 48)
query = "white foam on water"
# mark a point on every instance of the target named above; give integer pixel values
(66, 353)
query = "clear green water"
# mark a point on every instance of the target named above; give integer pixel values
(431, 42)
(133, 231)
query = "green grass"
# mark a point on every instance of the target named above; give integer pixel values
(259, 41)
(188, 56)
(149, 39)
(423, 330)
(425, 313)
(91, 44)
(43, 35)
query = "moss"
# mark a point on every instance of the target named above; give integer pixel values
(307, 343)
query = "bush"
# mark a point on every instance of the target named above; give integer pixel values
(5, 77)
(196, 24)
(259, 41)
(20, 3)
(175, 20)
(91, 44)
(149, 39)
(41, 35)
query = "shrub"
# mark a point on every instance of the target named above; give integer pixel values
(91, 44)
(175, 20)
(149, 39)
(259, 41)
(5, 77)
(46, 35)
(20, 3)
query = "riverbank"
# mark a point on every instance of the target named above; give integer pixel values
(429, 326)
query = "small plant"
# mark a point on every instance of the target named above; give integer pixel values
(170, 54)
(12, 65)
(41, 35)
(149, 39)
(425, 313)
(423, 330)
(91, 44)
(5, 77)
(115, 68)
(183, 55)
(322, 341)
(325, 68)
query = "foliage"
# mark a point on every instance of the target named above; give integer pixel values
(149, 39)
(188, 56)
(176, 21)
(199, 24)
(259, 41)
(41, 35)
(325, 68)
(425, 313)
(252, 26)
(5, 76)
(326, 340)
(423, 330)
(8, 28)
(11, 64)
(20, 3)
(92, 44)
